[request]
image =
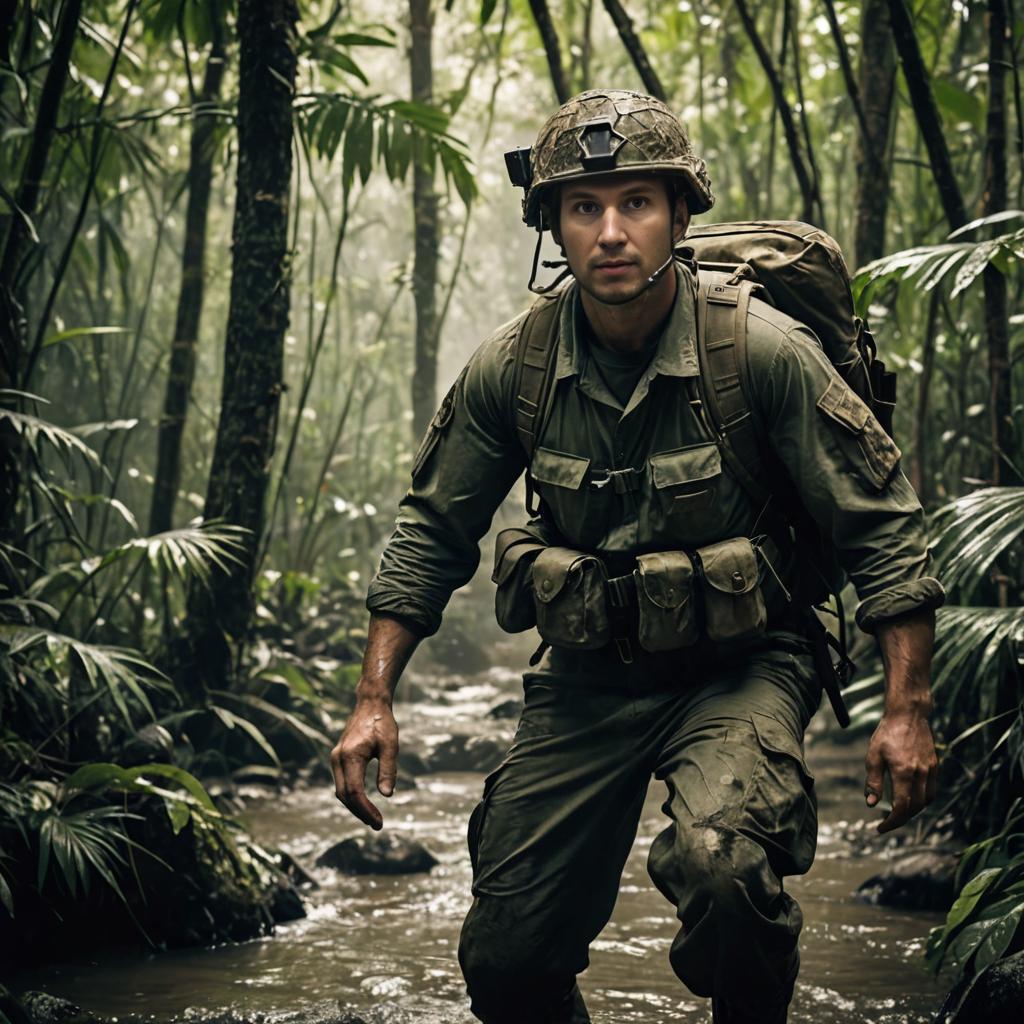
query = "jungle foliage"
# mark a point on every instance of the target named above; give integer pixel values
(897, 127)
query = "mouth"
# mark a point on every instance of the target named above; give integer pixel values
(613, 267)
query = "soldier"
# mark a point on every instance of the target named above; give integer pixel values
(672, 605)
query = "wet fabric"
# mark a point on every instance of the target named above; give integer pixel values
(558, 817)
(672, 489)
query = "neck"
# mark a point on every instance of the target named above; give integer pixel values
(632, 325)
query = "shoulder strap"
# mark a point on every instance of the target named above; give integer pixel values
(533, 376)
(722, 304)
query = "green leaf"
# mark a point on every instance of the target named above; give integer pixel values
(960, 104)
(969, 897)
(361, 39)
(486, 10)
(5, 895)
(82, 332)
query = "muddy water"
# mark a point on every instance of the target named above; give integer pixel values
(386, 947)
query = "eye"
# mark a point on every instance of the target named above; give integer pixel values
(586, 207)
(637, 202)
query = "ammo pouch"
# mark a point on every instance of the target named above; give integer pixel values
(734, 608)
(666, 606)
(569, 598)
(515, 551)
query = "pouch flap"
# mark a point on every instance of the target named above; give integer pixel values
(680, 467)
(552, 568)
(509, 547)
(842, 405)
(666, 577)
(548, 467)
(730, 566)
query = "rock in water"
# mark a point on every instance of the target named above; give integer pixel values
(997, 996)
(462, 753)
(917, 881)
(510, 708)
(377, 854)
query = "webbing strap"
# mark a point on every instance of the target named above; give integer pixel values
(722, 349)
(536, 343)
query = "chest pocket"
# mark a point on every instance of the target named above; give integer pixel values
(579, 511)
(684, 491)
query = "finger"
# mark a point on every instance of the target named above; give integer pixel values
(932, 786)
(874, 768)
(356, 800)
(901, 802)
(387, 768)
(338, 773)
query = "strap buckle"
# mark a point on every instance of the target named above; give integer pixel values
(623, 481)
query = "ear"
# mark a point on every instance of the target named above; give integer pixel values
(680, 220)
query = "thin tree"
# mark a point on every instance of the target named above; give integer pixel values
(13, 327)
(874, 92)
(635, 49)
(220, 614)
(995, 200)
(426, 233)
(927, 114)
(808, 190)
(552, 48)
(181, 371)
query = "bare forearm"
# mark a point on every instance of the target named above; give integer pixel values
(906, 646)
(389, 646)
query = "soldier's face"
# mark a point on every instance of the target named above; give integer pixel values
(616, 231)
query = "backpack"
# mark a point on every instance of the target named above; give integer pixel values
(800, 270)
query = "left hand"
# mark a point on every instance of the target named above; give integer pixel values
(902, 745)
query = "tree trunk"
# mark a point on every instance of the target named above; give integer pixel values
(926, 113)
(13, 328)
(257, 321)
(996, 323)
(875, 88)
(635, 49)
(424, 208)
(807, 190)
(552, 48)
(190, 298)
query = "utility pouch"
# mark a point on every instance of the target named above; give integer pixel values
(665, 601)
(515, 551)
(569, 596)
(734, 608)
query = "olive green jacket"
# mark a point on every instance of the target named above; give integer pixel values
(675, 493)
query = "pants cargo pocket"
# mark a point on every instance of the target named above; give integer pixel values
(782, 799)
(569, 595)
(515, 551)
(734, 608)
(667, 617)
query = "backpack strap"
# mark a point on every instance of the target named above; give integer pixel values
(533, 377)
(722, 304)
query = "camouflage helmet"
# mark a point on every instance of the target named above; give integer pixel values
(613, 130)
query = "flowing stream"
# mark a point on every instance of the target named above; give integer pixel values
(385, 947)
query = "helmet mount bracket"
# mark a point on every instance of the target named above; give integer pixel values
(599, 144)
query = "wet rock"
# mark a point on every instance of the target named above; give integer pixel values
(461, 753)
(286, 903)
(42, 1008)
(511, 708)
(295, 872)
(377, 854)
(995, 996)
(411, 762)
(916, 881)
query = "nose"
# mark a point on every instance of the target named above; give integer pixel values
(612, 234)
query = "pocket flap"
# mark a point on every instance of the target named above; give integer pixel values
(510, 547)
(680, 467)
(666, 577)
(548, 467)
(773, 735)
(552, 568)
(842, 405)
(730, 566)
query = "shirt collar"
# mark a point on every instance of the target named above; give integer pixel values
(676, 352)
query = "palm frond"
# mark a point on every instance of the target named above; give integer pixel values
(971, 532)
(34, 430)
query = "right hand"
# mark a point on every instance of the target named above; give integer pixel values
(371, 731)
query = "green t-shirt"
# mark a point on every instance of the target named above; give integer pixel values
(620, 371)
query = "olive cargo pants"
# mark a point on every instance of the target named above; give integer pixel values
(550, 837)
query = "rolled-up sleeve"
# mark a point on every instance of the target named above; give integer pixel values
(467, 462)
(847, 472)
